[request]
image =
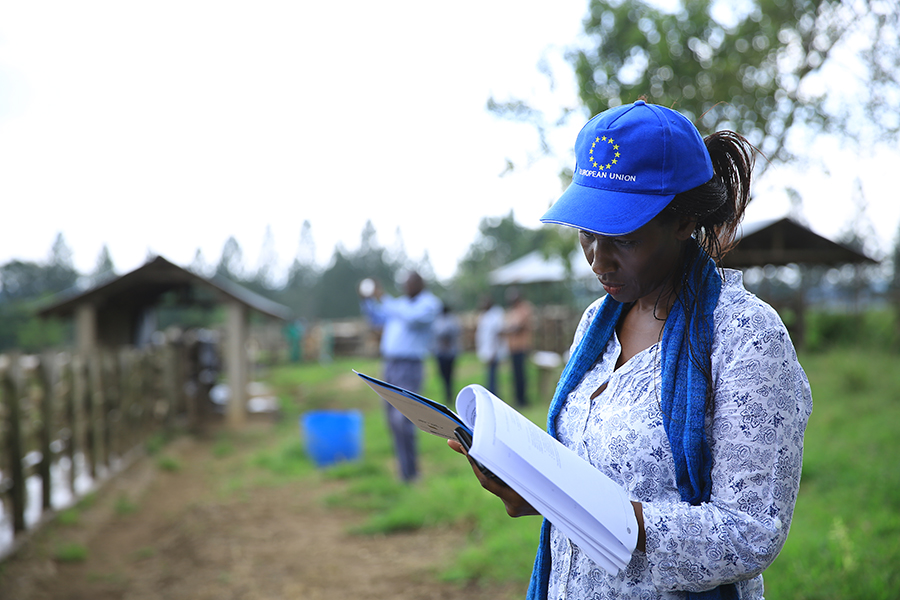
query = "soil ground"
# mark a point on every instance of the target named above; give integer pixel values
(154, 534)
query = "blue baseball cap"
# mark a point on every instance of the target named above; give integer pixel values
(630, 161)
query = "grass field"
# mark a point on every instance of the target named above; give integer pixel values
(844, 540)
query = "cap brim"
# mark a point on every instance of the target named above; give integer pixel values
(604, 212)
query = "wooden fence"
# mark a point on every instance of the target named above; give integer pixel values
(69, 417)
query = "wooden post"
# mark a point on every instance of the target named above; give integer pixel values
(236, 362)
(146, 393)
(12, 394)
(169, 361)
(130, 386)
(111, 397)
(48, 424)
(80, 421)
(181, 377)
(94, 434)
(191, 370)
(122, 373)
(86, 328)
(68, 398)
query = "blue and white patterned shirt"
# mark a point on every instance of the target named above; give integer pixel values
(762, 404)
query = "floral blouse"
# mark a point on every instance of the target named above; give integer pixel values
(762, 404)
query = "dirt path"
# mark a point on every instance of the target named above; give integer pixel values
(155, 534)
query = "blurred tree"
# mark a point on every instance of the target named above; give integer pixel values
(24, 284)
(105, 269)
(22, 280)
(335, 293)
(396, 255)
(371, 256)
(60, 273)
(264, 279)
(21, 330)
(373, 260)
(893, 286)
(859, 234)
(894, 282)
(36, 335)
(859, 231)
(306, 252)
(761, 67)
(303, 275)
(500, 241)
(231, 262)
(425, 268)
(199, 265)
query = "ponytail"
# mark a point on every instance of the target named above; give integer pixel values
(719, 204)
(718, 208)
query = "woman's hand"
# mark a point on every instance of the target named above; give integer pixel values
(516, 506)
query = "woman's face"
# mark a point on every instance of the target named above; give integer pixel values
(639, 264)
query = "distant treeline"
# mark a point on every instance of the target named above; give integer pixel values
(317, 293)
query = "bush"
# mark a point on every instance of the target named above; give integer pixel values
(874, 329)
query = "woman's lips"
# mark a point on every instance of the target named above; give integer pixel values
(612, 288)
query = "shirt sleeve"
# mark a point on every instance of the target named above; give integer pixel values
(762, 404)
(373, 310)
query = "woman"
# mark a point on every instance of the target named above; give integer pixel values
(682, 386)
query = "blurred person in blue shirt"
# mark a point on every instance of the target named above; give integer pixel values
(406, 339)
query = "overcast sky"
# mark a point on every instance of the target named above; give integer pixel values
(169, 126)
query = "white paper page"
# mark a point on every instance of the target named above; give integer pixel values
(577, 480)
(611, 563)
(582, 528)
(536, 490)
(466, 407)
(576, 523)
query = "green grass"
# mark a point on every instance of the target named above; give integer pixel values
(124, 506)
(116, 579)
(168, 463)
(156, 442)
(845, 535)
(72, 515)
(69, 516)
(71, 552)
(223, 447)
(448, 495)
(144, 552)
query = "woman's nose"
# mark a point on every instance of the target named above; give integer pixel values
(599, 259)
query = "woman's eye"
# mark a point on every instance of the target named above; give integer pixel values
(587, 235)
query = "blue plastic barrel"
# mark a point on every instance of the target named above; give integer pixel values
(332, 436)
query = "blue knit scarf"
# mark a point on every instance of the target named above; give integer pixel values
(683, 398)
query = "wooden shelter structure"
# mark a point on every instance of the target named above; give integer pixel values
(115, 313)
(784, 241)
